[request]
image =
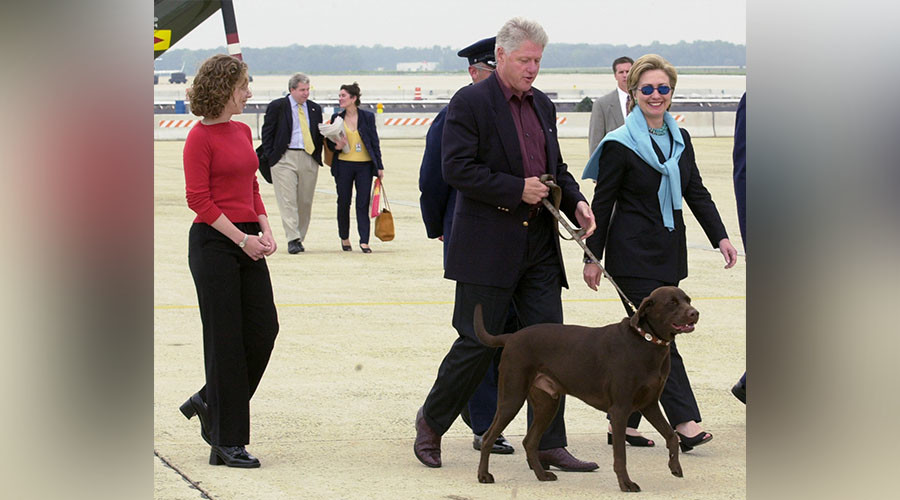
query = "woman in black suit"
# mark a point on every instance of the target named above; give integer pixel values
(644, 170)
(357, 167)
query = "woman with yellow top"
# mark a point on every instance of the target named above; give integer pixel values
(356, 167)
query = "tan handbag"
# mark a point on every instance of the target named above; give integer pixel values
(384, 221)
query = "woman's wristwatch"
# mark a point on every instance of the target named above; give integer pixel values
(243, 241)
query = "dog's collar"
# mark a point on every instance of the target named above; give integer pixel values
(649, 337)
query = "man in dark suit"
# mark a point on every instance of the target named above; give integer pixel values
(739, 157)
(438, 198)
(499, 138)
(292, 145)
(437, 202)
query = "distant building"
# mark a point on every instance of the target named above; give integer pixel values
(417, 66)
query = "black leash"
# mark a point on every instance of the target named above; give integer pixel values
(556, 196)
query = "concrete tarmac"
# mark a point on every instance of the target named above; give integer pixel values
(360, 342)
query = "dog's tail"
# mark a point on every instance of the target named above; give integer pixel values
(483, 335)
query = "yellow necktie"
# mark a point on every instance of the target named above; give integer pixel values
(304, 129)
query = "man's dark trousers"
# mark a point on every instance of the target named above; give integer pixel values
(536, 296)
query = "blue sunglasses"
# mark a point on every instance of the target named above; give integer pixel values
(648, 89)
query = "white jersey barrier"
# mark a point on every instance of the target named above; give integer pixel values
(415, 125)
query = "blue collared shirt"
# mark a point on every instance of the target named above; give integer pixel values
(296, 133)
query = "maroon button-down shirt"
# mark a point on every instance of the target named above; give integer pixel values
(532, 142)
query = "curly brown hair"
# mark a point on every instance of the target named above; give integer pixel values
(214, 84)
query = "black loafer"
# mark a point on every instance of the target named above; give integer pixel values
(232, 456)
(295, 246)
(196, 406)
(501, 445)
(740, 391)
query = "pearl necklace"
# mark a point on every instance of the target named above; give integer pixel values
(659, 131)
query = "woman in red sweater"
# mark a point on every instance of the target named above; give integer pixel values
(228, 243)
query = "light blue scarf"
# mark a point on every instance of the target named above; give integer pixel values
(634, 136)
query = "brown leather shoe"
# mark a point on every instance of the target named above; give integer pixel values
(428, 443)
(563, 460)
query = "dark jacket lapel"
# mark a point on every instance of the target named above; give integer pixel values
(506, 127)
(287, 114)
(545, 117)
(315, 114)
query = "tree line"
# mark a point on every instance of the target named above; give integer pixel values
(330, 59)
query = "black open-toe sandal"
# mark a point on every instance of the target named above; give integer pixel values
(688, 443)
(639, 441)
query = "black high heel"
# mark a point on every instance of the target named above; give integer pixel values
(232, 456)
(688, 443)
(195, 406)
(639, 441)
(365, 249)
(346, 248)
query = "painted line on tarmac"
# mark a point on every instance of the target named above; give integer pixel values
(732, 297)
(419, 303)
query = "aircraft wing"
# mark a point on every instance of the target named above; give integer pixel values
(173, 19)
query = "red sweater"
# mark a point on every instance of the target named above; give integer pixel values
(220, 173)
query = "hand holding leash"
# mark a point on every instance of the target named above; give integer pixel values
(535, 190)
(580, 234)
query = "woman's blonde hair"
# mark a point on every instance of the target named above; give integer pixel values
(645, 63)
(214, 84)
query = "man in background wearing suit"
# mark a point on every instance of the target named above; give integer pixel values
(437, 202)
(292, 145)
(739, 158)
(608, 112)
(499, 138)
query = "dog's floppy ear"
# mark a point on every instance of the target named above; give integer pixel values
(636, 317)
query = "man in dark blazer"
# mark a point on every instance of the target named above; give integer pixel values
(438, 199)
(499, 138)
(739, 157)
(437, 202)
(292, 147)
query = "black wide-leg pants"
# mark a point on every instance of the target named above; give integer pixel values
(239, 327)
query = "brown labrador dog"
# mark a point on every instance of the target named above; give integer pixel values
(617, 368)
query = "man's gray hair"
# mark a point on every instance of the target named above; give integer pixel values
(297, 79)
(516, 31)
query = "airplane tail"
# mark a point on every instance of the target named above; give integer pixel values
(176, 18)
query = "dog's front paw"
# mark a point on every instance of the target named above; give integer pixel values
(486, 478)
(546, 476)
(629, 486)
(675, 467)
